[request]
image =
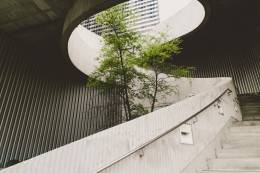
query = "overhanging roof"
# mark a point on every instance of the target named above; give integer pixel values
(22, 14)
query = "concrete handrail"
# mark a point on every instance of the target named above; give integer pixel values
(228, 90)
(113, 146)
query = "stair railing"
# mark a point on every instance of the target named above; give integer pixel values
(228, 91)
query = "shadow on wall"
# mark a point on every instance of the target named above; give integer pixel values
(9, 163)
(44, 105)
(227, 49)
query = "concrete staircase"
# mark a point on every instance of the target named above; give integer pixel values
(250, 107)
(240, 151)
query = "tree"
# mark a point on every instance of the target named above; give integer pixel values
(123, 51)
(117, 67)
(156, 57)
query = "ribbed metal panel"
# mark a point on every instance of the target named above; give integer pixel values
(242, 65)
(38, 114)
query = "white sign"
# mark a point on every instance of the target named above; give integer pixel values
(186, 136)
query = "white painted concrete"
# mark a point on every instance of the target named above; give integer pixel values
(98, 152)
(186, 87)
(166, 154)
(235, 164)
(244, 157)
(184, 21)
(84, 46)
(168, 8)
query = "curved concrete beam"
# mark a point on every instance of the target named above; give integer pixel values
(85, 8)
(185, 21)
(81, 10)
(84, 46)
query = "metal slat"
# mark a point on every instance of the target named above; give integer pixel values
(39, 112)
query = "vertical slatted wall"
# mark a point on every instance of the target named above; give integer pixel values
(38, 115)
(243, 65)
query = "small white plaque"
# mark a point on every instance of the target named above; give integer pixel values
(186, 134)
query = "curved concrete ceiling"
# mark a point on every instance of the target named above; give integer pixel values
(84, 46)
(16, 15)
(81, 10)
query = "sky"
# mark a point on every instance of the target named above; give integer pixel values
(168, 8)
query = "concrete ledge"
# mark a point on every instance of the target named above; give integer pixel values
(98, 151)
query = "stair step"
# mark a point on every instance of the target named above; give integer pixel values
(242, 135)
(245, 129)
(251, 117)
(247, 123)
(250, 106)
(250, 110)
(235, 163)
(241, 142)
(239, 152)
(230, 171)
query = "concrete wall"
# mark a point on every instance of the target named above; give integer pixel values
(183, 88)
(150, 143)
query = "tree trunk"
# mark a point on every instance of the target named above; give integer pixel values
(125, 107)
(126, 94)
(125, 85)
(155, 92)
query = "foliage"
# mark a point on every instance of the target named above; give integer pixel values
(123, 51)
(156, 57)
(118, 58)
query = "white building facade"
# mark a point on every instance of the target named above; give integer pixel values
(147, 16)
